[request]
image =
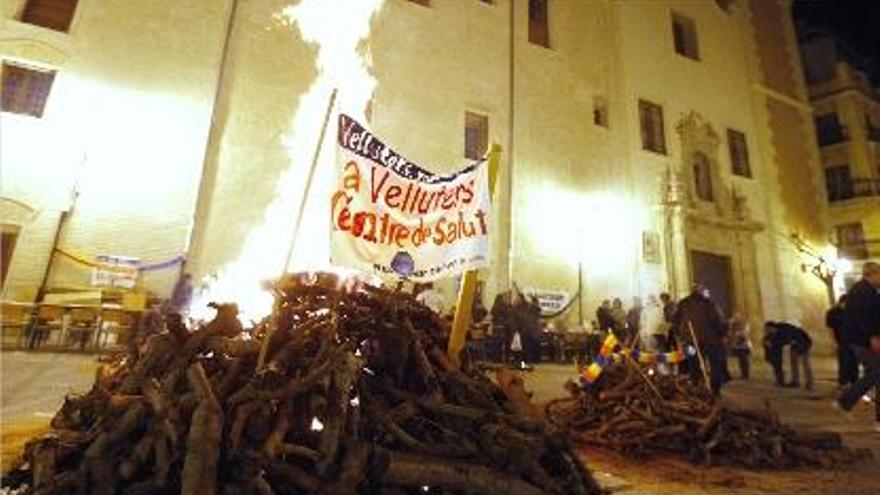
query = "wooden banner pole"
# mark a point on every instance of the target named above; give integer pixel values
(305, 195)
(462, 320)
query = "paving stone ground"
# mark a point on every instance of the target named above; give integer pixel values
(33, 385)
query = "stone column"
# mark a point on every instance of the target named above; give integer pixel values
(674, 238)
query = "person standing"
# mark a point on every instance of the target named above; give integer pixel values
(633, 319)
(181, 296)
(862, 324)
(698, 322)
(603, 316)
(665, 343)
(847, 363)
(740, 344)
(651, 325)
(618, 318)
(502, 325)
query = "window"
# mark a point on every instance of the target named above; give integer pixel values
(839, 183)
(684, 35)
(7, 246)
(703, 177)
(423, 3)
(488, 2)
(476, 135)
(539, 31)
(25, 90)
(739, 153)
(600, 111)
(651, 119)
(829, 130)
(850, 239)
(52, 14)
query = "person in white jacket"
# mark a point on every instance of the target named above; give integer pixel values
(651, 324)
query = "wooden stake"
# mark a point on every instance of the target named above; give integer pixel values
(700, 357)
(462, 320)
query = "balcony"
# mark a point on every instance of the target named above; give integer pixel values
(829, 135)
(843, 190)
(864, 249)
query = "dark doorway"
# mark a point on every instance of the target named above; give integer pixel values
(713, 271)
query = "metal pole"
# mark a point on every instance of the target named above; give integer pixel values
(202, 207)
(305, 195)
(581, 292)
(510, 141)
(41, 291)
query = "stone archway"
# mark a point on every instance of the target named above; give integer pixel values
(708, 220)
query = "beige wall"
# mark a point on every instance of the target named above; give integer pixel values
(580, 192)
(126, 123)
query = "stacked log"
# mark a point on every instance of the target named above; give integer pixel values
(342, 390)
(637, 413)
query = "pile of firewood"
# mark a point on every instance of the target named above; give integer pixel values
(637, 413)
(342, 390)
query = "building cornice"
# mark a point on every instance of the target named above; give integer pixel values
(782, 97)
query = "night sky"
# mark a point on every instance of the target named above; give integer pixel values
(857, 22)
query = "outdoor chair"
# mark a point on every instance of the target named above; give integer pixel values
(14, 321)
(117, 323)
(82, 325)
(49, 319)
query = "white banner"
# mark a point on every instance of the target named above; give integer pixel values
(115, 271)
(551, 301)
(392, 217)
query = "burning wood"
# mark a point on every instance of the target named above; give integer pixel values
(638, 414)
(354, 395)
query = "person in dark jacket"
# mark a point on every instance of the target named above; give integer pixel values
(502, 324)
(778, 335)
(862, 325)
(527, 318)
(664, 342)
(603, 316)
(698, 322)
(847, 363)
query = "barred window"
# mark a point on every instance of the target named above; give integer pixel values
(851, 241)
(739, 153)
(25, 90)
(51, 14)
(651, 119)
(839, 183)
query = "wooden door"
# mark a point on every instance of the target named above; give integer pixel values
(713, 271)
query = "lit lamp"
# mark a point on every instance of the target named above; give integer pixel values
(827, 271)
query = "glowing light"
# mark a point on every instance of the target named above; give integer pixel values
(650, 371)
(355, 402)
(337, 30)
(599, 229)
(843, 265)
(317, 425)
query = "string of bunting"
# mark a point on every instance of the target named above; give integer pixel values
(83, 260)
(612, 352)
